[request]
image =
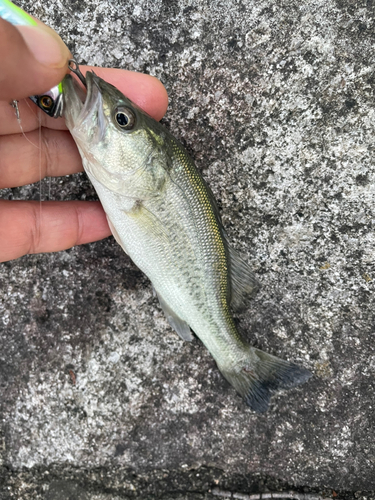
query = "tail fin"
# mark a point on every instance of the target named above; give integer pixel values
(261, 375)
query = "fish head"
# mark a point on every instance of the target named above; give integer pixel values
(121, 146)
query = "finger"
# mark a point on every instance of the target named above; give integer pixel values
(33, 227)
(145, 90)
(33, 59)
(29, 159)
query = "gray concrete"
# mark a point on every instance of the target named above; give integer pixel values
(275, 101)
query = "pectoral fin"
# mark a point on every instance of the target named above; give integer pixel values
(244, 284)
(175, 322)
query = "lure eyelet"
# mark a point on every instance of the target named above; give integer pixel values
(46, 102)
(74, 68)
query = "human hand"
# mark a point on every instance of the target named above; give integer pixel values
(33, 60)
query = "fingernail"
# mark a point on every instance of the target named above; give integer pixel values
(45, 45)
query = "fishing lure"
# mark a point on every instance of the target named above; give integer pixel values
(51, 101)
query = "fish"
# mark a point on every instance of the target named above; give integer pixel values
(165, 217)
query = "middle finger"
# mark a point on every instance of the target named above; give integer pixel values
(25, 160)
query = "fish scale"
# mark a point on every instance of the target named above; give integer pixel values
(165, 217)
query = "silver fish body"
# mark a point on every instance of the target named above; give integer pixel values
(165, 218)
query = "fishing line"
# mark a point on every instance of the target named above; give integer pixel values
(40, 161)
(38, 116)
(18, 116)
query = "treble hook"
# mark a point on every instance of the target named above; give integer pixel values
(74, 68)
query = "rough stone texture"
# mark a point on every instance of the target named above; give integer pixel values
(275, 101)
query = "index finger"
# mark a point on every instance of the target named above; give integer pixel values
(145, 90)
(33, 59)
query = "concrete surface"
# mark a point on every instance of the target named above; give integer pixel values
(275, 101)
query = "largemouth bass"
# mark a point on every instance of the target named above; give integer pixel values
(165, 217)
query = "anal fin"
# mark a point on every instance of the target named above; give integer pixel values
(178, 325)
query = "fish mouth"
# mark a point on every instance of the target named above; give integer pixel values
(79, 103)
(93, 101)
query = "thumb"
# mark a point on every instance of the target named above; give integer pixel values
(33, 59)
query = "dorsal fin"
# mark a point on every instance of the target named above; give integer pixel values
(244, 284)
(242, 281)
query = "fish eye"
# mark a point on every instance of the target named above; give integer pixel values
(124, 117)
